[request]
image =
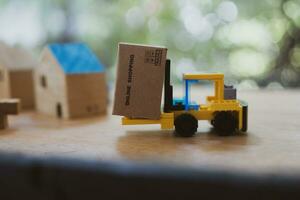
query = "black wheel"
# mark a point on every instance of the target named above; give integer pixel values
(225, 123)
(185, 125)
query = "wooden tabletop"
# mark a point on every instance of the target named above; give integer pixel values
(271, 144)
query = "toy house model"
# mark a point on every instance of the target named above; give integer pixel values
(4, 83)
(4, 78)
(18, 64)
(70, 82)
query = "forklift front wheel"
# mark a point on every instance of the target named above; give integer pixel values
(225, 123)
(185, 125)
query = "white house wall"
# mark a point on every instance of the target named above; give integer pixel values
(4, 83)
(48, 97)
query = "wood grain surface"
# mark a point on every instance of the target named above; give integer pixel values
(271, 144)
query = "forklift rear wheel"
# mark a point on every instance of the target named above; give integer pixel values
(225, 123)
(185, 125)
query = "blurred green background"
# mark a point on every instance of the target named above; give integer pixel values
(255, 43)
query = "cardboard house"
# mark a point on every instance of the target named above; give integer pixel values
(4, 83)
(4, 78)
(70, 82)
(18, 65)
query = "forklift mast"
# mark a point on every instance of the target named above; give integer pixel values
(169, 104)
(168, 89)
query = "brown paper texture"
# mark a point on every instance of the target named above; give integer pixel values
(139, 81)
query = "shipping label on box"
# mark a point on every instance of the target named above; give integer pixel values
(140, 76)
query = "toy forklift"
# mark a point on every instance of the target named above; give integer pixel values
(226, 114)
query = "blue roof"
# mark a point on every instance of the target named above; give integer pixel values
(76, 58)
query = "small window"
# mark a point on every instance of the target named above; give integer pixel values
(59, 113)
(43, 81)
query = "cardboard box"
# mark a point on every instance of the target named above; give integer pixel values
(140, 76)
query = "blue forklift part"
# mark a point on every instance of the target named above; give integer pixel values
(187, 104)
(177, 101)
(194, 106)
(186, 96)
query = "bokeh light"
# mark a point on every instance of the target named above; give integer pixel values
(246, 40)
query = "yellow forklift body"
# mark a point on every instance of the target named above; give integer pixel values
(206, 112)
(214, 104)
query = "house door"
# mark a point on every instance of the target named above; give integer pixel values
(59, 110)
